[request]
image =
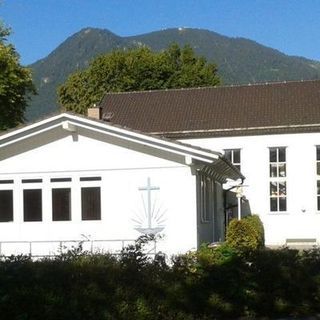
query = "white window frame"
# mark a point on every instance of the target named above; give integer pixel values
(42, 198)
(8, 185)
(91, 181)
(32, 183)
(61, 182)
(280, 178)
(232, 157)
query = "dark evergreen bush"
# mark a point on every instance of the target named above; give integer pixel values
(213, 283)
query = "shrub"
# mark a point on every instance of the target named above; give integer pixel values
(219, 255)
(212, 283)
(258, 226)
(246, 234)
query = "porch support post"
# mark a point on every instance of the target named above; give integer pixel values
(239, 195)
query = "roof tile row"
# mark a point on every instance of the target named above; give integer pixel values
(264, 108)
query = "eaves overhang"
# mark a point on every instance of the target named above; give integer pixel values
(245, 131)
(70, 122)
(210, 162)
(221, 170)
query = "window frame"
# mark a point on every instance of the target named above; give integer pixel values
(232, 157)
(69, 216)
(32, 183)
(62, 182)
(99, 204)
(12, 204)
(7, 184)
(206, 202)
(278, 187)
(25, 190)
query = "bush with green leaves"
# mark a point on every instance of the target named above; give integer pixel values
(245, 234)
(213, 283)
(257, 224)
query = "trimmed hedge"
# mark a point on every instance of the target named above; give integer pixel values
(245, 234)
(209, 284)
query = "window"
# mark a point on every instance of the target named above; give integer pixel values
(60, 179)
(32, 204)
(206, 193)
(318, 176)
(6, 181)
(278, 184)
(31, 180)
(90, 179)
(233, 155)
(91, 203)
(6, 205)
(61, 204)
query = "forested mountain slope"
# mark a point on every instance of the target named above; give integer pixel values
(239, 60)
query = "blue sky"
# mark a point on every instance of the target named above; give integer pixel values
(39, 26)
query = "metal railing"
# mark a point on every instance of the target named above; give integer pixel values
(53, 248)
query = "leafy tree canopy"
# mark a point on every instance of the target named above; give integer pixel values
(15, 84)
(136, 70)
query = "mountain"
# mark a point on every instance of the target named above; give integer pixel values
(73, 54)
(239, 60)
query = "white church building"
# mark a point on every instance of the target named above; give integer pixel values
(142, 163)
(70, 178)
(271, 132)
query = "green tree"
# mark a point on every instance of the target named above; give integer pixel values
(15, 84)
(136, 70)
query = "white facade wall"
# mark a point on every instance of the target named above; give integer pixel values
(122, 172)
(301, 220)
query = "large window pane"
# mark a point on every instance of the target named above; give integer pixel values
(282, 189)
(236, 156)
(282, 170)
(274, 204)
(273, 170)
(273, 189)
(282, 204)
(282, 154)
(273, 155)
(32, 205)
(318, 153)
(227, 154)
(91, 203)
(6, 205)
(61, 204)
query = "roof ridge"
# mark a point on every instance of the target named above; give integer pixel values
(62, 114)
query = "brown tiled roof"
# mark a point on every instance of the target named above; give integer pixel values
(218, 111)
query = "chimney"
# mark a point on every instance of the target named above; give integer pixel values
(94, 113)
